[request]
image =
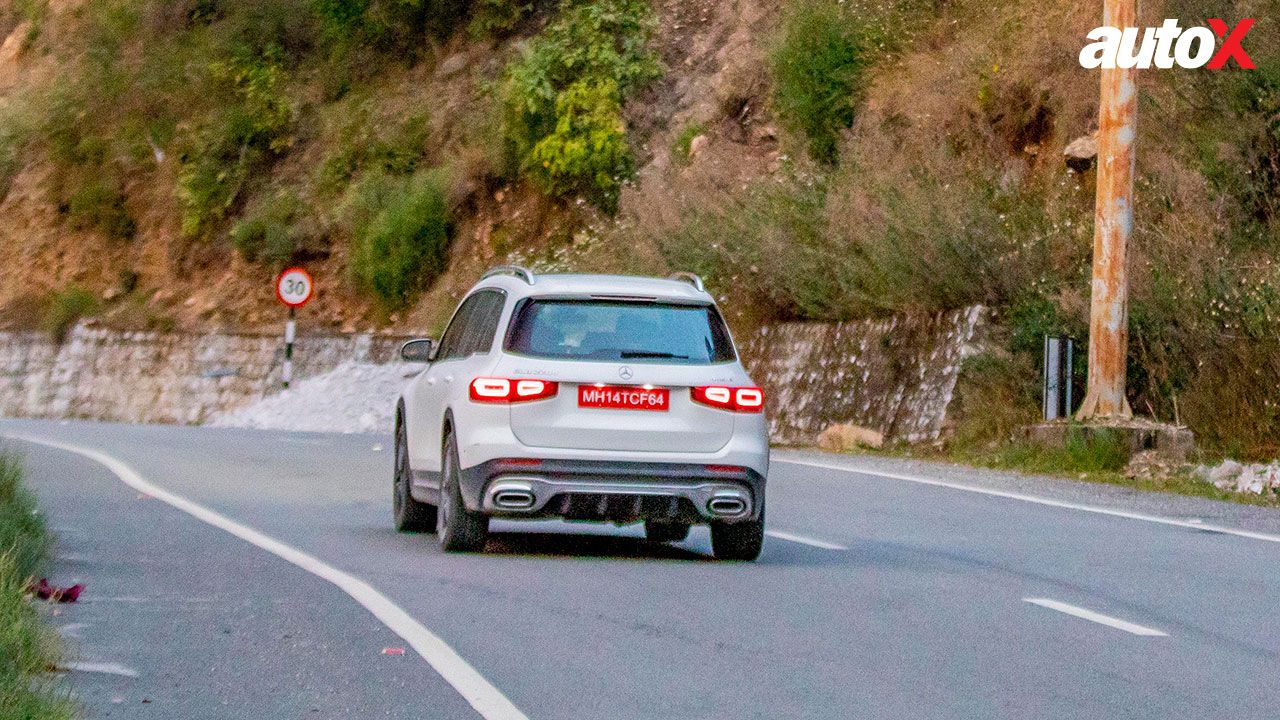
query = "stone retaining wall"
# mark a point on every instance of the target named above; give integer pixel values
(895, 376)
(157, 377)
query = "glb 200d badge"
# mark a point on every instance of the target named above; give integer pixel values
(1168, 45)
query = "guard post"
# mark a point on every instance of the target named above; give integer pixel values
(1058, 376)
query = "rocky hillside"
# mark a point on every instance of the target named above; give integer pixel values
(814, 159)
(160, 161)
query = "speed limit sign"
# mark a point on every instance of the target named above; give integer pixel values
(294, 287)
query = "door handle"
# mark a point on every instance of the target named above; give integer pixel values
(431, 381)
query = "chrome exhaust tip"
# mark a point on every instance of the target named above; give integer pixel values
(726, 506)
(514, 499)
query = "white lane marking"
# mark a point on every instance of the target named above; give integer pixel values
(97, 667)
(484, 697)
(1097, 617)
(803, 540)
(1193, 524)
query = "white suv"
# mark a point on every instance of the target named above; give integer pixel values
(583, 397)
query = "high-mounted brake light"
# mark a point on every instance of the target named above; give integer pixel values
(740, 399)
(505, 390)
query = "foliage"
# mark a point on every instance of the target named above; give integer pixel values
(360, 146)
(587, 153)
(569, 85)
(498, 17)
(817, 71)
(100, 205)
(65, 307)
(22, 529)
(1095, 451)
(26, 645)
(769, 238)
(270, 232)
(390, 26)
(238, 141)
(401, 229)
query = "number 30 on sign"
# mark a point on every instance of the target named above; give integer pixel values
(294, 287)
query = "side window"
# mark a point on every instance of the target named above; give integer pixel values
(484, 323)
(452, 345)
(473, 326)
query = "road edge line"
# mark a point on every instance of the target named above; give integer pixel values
(465, 679)
(1050, 502)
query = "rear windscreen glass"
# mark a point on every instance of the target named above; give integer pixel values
(610, 330)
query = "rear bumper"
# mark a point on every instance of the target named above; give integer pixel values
(613, 490)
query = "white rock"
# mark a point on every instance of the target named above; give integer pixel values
(351, 398)
(1226, 473)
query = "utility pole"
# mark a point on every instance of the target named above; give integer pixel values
(1113, 226)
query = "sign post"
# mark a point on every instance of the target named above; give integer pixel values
(294, 288)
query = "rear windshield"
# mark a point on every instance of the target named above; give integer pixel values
(613, 330)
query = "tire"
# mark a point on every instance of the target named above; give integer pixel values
(738, 540)
(663, 531)
(409, 514)
(459, 529)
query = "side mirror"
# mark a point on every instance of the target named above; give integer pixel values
(418, 351)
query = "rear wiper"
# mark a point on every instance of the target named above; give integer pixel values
(628, 354)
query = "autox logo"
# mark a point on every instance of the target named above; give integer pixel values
(1168, 45)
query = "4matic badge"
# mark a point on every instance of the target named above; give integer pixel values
(1168, 45)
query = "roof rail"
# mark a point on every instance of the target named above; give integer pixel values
(515, 270)
(690, 278)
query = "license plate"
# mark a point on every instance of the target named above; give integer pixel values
(623, 397)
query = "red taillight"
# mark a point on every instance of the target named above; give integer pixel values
(506, 390)
(520, 462)
(725, 468)
(737, 399)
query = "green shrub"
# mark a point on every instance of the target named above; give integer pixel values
(587, 154)
(387, 25)
(360, 146)
(99, 205)
(401, 231)
(817, 72)
(65, 307)
(27, 646)
(238, 142)
(1097, 450)
(498, 17)
(22, 529)
(270, 231)
(341, 20)
(561, 86)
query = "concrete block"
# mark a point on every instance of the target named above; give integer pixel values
(1173, 443)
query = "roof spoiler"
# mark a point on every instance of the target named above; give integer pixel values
(690, 278)
(513, 270)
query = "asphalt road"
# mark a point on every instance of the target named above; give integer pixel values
(877, 597)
